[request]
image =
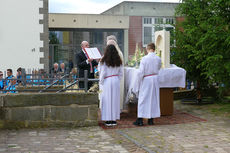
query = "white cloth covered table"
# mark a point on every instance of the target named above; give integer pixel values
(168, 78)
(172, 77)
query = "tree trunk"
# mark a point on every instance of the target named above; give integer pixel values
(198, 92)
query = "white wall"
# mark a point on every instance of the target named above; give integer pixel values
(20, 33)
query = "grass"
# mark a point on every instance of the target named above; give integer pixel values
(91, 136)
(119, 142)
(221, 108)
(12, 146)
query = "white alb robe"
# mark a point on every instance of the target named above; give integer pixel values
(110, 91)
(149, 97)
(113, 41)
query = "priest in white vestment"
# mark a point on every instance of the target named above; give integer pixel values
(149, 97)
(110, 74)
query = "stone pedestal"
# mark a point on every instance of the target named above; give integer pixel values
(162, 42)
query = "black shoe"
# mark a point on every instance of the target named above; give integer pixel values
(108, 123)
(114, 123)
(150, 121)
(138, 122)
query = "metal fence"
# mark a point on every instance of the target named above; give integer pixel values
(42, 83)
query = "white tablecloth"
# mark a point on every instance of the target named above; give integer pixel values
(172, 77)
(168, 78)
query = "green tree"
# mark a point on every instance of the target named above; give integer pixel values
(203, 42)
(53, 39)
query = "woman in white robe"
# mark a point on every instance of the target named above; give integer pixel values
(110, 74)
(112, 40)
(149, 97)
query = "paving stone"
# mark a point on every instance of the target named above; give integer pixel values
(2, 149)
(93, 151)
(211, 136)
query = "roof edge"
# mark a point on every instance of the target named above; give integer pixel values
(138, 2)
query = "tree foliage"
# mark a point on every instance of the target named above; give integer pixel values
(53, 38)
(203, 41)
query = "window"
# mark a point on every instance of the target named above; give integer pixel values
(169, 21)
(153, 24)
(159, 20)
(147, 20)
(147, 35)
(96, 37)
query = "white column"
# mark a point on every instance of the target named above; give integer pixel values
(126, 45)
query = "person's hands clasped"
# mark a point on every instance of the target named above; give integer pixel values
(90, 60)
(98, 60)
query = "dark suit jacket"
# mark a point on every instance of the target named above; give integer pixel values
(65, 71)
(53, 71)
(82, 65)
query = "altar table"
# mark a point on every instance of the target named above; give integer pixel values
(169, 78)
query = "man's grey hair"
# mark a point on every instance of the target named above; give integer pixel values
(111, 37)
(84, 42)
(55, 63)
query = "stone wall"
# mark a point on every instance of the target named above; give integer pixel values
(48, 110)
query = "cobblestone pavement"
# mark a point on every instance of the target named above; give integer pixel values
(212, 136)
(92, 139)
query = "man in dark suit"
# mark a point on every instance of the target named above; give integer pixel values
(83, 63)
(55, 70)
(63, 69)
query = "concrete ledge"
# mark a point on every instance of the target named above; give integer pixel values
(48, 110)
(35, 89)
(42, 99)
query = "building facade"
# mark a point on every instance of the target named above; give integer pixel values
(145, 18)
(23, 34)
(131, 22)
(67, 31)
(34, 39)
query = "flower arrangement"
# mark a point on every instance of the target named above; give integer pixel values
(158, 52)
(136, 58)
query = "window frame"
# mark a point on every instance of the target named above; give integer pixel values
(153, 25)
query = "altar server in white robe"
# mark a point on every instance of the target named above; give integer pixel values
(110, 74)
(113, 40)
(149, 97)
